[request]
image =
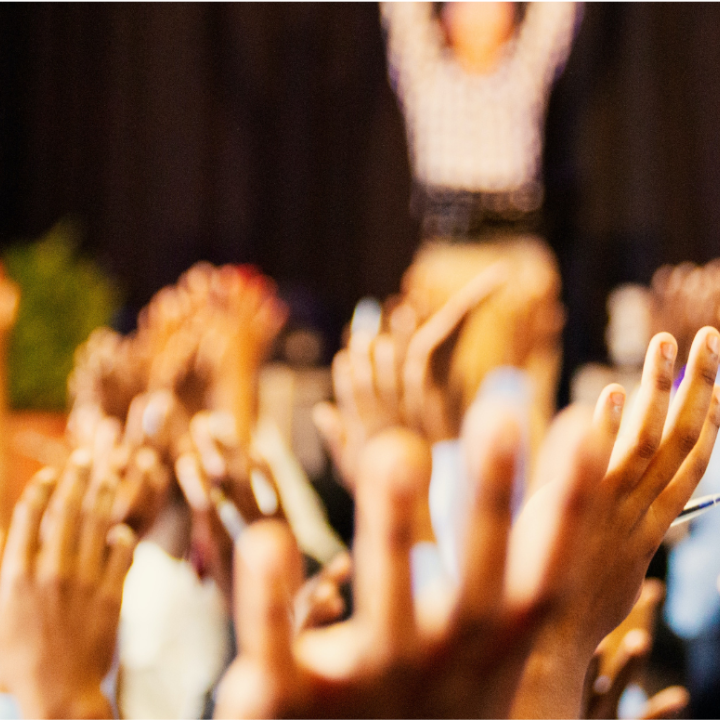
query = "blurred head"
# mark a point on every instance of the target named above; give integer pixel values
(477, 31)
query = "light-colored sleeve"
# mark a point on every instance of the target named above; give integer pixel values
(545, 39)
(414, 43)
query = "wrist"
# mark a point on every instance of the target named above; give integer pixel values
(554, 675)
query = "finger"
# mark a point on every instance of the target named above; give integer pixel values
(386, 372)
(328, 421)
(672, 499)
(267, 576)
(608, 412)
(491, 440)
(140, 496)
(134, 432)
(640, 438)
(362, 372)
(121, 541)
(95, 524)
(588, 693)
(633, 652)
(192, 483)
(442, 323)
(339, 569)
(106, 439)
(668, 703)
(212, 460)
(62, 533)
(687, 416)
(394, 468)
(559, 518)
(342, 382)
(23, 539)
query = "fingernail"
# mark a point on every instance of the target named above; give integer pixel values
(668, 350)
(222, 427)
(713, 343)
(46, 477)
(264, 493)
(187, 474)
(636, 640)
(155, 414)
(601, 684)
(145, 459)
(120, 534)
(618, 400)
(81, 458)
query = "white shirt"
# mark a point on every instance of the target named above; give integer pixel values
(479, 133)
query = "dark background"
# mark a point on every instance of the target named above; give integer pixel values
(269, 134)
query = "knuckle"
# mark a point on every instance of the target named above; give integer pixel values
(107, 599)
(399, 536)
(496, 498)
(708, 376)
(663, 383)
(697, 467)
(687, 439)
(55, 583)
(85, 584)
(577, 503)
(646, 446)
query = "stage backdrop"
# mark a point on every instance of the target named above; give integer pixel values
(269, 134)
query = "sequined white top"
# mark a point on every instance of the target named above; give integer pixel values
(480, 133)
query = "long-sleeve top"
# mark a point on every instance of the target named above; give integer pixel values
(473, 132)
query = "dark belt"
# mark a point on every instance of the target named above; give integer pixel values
(461, 215)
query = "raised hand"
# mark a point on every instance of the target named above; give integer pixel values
(225, 490)
(391, 378)
(621, 658)
(627, 489)
(319, 600)
(60, 592)
(384, 661)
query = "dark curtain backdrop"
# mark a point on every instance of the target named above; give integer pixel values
(269, 134)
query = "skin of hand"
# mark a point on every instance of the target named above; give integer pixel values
(229, 466)
(60, 592)
(319, 602)
(142, 476)
(384, 662)
(109, 370)
(621, 658)
(630, 488)
(207, 336)
(213, 471)
(641, 617)
(210, 541)
(388, 380)
(602, 694)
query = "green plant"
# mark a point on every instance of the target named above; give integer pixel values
(63, 298)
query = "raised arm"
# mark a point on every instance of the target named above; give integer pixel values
(545, 39)
(413, 45)
(622, 509)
